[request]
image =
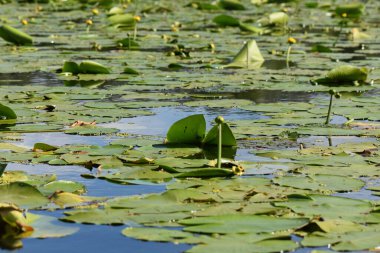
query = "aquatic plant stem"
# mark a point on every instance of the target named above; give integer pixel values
(219, 146)
(329, 111)
(288, 56)
(219, 121)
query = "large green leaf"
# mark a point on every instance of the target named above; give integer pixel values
(228, 138)
(343, 75)
(6, 112)
(23, 195)
(226, 20)
(249, 56)
(225, 224)
(15, 36)
(321, 182)
(189, 130)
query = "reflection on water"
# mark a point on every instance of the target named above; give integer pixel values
(30, 78)
(273, 96)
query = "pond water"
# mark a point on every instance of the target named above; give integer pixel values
(178, 69)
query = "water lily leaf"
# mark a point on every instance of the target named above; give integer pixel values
(46, 227)
(12, 147)
(23, 195)
(250, 28)
(126, 174)
(226, 20)
(122, 20)
(91, 130)
(206, 173)
(321, 183)
(240, 244)
(71, 67)
(68, 199)
(320, 49)
(91, 67)
(62, 185)
(225, 224)
(43, 147)
(351, 10)
(130, 71)
(230, 5)
(248, 56)
(6, 113)
(228, 138)
(15, 36)
(355, 240)
(189, 130)
(128, 43)
(329, 207)
(278, 19)
(344, 74)
(159, 234)
(99, 216)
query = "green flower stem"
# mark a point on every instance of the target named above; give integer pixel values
(220, 146)
(219, 121)
(329, 111)
(288, 56)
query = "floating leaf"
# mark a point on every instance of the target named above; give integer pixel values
(206, 173)
(321, 183)
(62, 185)
(225, 224)
(91, 130)
(128, 43)
(15, 36)
(351, 10)
(189, 130)
(43, 147)
(320, 49)
(22, 194)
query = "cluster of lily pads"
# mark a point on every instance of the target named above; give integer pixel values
(112, 60)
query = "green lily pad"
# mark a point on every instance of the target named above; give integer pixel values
(225, 224)
(91, 130)
(321, 183)
(62, 185)
(22, 194)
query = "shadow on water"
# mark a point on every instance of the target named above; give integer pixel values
(277, 64)
(272, 96)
